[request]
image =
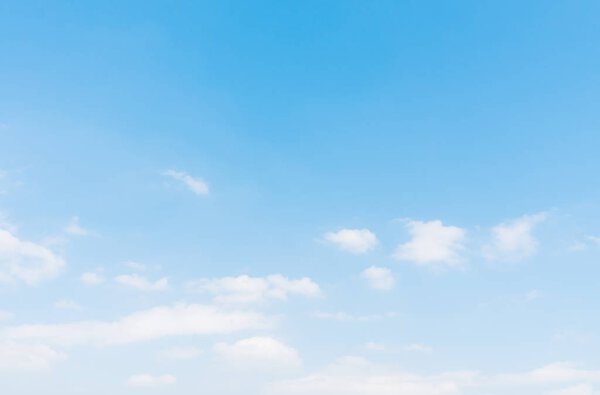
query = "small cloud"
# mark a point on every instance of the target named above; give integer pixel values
(66, 304)
(74, 228)
(141, 283)
(194, 184)
(513, 240)
(379, 278)
(418, 347)
(91, 278)
(151, 381)
(432, 244)
(355, 241)
(181, 352)
(258, 352)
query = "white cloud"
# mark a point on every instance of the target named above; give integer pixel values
(141, 283)
(341, 316)
(26, 261)
(418, 347)
(91, 278)
(181, 352)
(246, 289)
(432, 244)
(75, 229)
(357, 376)
(582, 389)
(67, 304)
(150, 381)
(195, 184)
(356, 241)
(258, 352)
(15, 356)
(380, 278)
(513, 240)
(555, 373)
(145, 325)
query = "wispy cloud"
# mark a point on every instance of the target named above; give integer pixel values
(145, 325)
(151, 381)
(74, 228)
(194, 184)
(142, 283)
(513, 240)
(26, 261)
(246, 289)
(92, 278)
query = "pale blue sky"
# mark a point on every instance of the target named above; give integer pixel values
(318, 197)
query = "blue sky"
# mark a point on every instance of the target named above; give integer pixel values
(284, 198)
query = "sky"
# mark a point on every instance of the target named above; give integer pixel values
(290, 198)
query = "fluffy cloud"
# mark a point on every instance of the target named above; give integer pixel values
(513, 240)
(150, 381)
(91, 278)
(432, 244)
(15, 356)
(379, 278)
(246, 289)
(194, 184)
(258, 352)
(141, 283)
(146, 325)
(356, 241)
(26, 261)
